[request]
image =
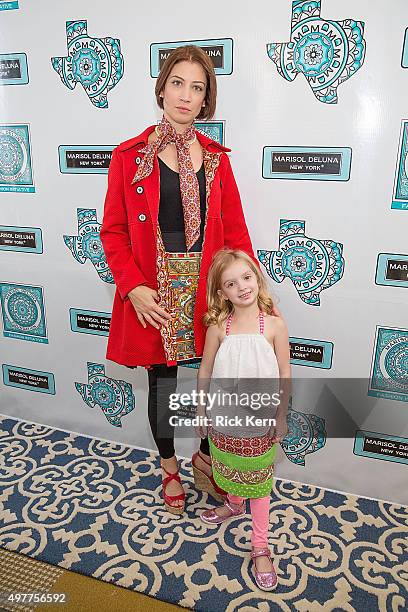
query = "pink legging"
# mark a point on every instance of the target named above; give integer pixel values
(260, 518)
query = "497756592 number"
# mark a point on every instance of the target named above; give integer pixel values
(24, 598)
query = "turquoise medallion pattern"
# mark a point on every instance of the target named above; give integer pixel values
(327, 52)
(389, 375)
(306, 434)
(95, 507)
(312, 265)
(23, 312)
(87, 244)
(15, 159)
(114, 397)
(95, 63)
(213, 129)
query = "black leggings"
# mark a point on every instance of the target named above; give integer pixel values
(159, 411)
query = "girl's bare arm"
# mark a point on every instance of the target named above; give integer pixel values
(211, 346)
(282, 352)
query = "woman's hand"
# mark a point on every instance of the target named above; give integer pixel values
(143, 301)
(201, 429)
(279, 432)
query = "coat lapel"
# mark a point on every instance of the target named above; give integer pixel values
(211, 163)
(151, 183)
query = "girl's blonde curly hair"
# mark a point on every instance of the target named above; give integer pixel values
(218, 307)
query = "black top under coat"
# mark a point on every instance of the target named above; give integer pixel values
(171, 217)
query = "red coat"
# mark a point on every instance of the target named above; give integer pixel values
(128, 236)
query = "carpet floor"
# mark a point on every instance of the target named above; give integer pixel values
(94, 507)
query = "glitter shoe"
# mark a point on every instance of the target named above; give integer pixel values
(267, 581)
(212, 518)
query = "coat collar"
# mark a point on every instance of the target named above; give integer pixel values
(211, 155)
(141, 140)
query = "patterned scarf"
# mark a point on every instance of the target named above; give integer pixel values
(189, 187)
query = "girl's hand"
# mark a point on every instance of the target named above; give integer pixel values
(202, 429)
(279, 432)
(143, 301)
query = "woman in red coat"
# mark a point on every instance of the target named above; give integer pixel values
(172, 203)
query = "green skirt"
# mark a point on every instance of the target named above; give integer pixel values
(243, 466)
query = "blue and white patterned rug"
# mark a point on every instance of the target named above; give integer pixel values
(95, 508)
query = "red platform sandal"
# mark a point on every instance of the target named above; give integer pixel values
(206, 483)
(170, 499)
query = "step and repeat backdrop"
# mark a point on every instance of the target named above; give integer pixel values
(313, 102)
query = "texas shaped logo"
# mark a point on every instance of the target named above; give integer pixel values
(95, 63)
(311, 264)
(327, 52)
(87, 244)
(114, 397)
(306, 434)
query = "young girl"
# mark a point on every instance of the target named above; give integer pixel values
(244, 341)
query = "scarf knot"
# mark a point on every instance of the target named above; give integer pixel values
(189, 187)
